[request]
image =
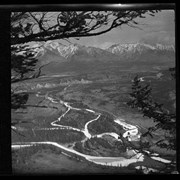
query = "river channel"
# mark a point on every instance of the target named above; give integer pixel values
(131, 133)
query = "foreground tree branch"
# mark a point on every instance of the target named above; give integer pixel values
(44, 26)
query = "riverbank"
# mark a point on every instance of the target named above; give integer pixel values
(130, 131)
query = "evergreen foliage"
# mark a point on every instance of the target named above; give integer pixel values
(141, 98)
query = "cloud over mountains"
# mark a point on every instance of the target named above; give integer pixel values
(161, 37)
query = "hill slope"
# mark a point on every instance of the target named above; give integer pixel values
(75, 57)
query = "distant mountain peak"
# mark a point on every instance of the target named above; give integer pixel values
(165, 47)
(137, 47)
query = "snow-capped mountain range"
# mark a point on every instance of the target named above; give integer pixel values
(131, 51)
(118, 49)
(138, 47)
(66, 51)
(55, 57)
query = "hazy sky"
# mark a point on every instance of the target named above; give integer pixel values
(155, 29)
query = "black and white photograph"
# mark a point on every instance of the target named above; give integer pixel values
(93, 91)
